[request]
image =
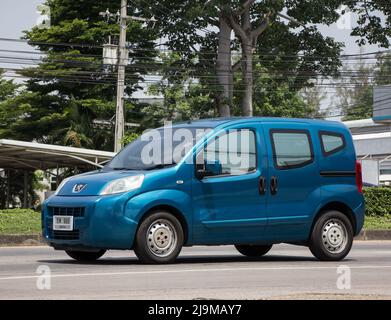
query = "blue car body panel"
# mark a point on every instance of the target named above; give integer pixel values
(215, 210)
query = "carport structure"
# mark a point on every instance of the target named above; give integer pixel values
(31, 156)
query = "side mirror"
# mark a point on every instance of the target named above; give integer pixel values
(210, 168)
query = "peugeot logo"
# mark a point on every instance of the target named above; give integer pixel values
(78, 187)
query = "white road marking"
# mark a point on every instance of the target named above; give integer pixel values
(104, 274)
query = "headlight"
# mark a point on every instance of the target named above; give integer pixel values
(123, 185)
(63, 182)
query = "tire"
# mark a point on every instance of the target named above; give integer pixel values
(159, 239)
(85, 256)
(253, 250)
(331, 237)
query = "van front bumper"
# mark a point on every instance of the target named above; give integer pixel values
(100, 222)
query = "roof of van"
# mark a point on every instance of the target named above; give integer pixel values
(212, 123)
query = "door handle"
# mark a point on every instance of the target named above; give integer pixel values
(262, 185)
(274, 185)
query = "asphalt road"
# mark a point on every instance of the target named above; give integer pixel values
(201, 273)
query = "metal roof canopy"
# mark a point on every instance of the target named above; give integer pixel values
(37, 156)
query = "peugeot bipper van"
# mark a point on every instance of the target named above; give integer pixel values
(247, 182)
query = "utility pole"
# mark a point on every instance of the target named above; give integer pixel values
(122, 55)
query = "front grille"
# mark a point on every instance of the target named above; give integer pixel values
(67, 211)
(66, 235)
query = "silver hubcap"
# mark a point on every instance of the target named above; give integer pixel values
(162, 238)
(334, 236)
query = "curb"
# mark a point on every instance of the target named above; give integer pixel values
(374, 235)
(21, 240)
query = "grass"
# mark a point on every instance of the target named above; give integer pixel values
(23, 221)
(20, 221)
(378, 223)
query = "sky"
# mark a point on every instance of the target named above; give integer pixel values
(16, 16)
(19, 15)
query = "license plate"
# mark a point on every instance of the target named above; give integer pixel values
(63, 223)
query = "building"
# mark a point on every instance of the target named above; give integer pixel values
(372, 139)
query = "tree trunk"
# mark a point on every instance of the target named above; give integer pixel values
(247, 66)
(224, 69)
(240, 22)
(247, 71)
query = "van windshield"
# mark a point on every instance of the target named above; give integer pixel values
(157, 149)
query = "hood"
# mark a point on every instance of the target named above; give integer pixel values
(92, 183)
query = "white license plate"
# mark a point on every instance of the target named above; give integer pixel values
(63, 223)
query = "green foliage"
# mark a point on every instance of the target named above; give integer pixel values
(362, 107)
(356, 97)
(16, 187)
(130, 137)
(7, 88)
(377, 223)
(383, 72)
(20, 221)
(280, 99)
(378, 202)
(371, 27)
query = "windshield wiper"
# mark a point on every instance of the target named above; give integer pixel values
(161, 166)
(122, 169)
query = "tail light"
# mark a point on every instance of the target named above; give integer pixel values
(359, 176)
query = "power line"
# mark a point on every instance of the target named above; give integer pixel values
(155, 64)
(94, 46)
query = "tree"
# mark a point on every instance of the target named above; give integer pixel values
(355, 95)
(371, 26)
(199, 26)
(383, 70)
(275, 98)
(7, 87)
(184, 96)
(313, 98)
(9, 112)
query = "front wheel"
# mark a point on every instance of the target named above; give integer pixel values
(253, 250)
(85, 256)
(159, 238)
(332, 237)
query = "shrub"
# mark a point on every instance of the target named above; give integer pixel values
(378, 201)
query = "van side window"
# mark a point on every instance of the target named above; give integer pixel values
(331, 142)
(291, 148)
(235, 150)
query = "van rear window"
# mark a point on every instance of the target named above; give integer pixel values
(331, 142)
(291, 148)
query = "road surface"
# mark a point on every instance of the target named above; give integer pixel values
(201, 273)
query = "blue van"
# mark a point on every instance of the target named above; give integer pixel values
(296, 181)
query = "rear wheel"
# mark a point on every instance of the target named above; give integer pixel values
(253, 250)
(332, 237)
(85, 256)
(159, 238)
